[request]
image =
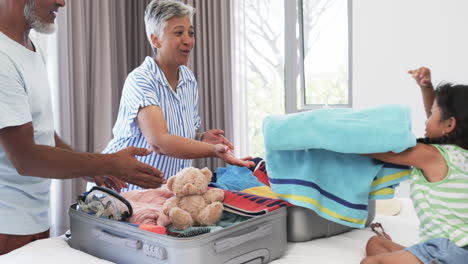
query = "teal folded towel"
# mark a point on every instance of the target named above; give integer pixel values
(369, 130)
(312, 162)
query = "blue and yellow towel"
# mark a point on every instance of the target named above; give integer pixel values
(311, 162)
(388, 178)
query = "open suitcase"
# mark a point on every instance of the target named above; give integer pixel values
(257, 240)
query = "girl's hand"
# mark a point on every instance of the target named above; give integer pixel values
(216, 136)
(422, 77)
(226, 154)
(380, 231)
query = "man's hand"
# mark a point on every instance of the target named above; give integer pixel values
(129, 169)
(422, 77)
(216, 136)
(227, 155)
(110, 182)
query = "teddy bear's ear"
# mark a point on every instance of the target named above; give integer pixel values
(207, 173)
(170, 182)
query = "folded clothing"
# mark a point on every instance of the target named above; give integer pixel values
(259, 171)
(311, 160)
(249, 204)
(264, 191)
(147, 206)
(192, 231)
(235, 178)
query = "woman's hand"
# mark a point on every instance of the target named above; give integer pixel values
(225, 153)
(216, 136)
(110, 182)
(422, 77)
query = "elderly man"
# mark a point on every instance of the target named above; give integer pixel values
(31, 153)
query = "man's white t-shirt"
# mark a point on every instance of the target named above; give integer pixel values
(24, 98)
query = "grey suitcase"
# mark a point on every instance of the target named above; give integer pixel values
(257, 240)
(304, 224)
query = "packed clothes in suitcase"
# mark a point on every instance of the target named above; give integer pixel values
(259, 239)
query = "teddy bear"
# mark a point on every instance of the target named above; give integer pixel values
(193, 204)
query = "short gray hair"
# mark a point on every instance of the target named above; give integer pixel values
(157, 13)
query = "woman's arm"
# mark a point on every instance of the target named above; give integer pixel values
(215, 136)
(154, 128)
(422, 156)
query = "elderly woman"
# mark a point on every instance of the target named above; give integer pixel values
(159, 105)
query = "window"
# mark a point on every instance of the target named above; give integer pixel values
(290, 55)
(320, 49)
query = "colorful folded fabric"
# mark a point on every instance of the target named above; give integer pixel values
(311, 162)
(250, 205)
(260, 171)
(264, 191)
(235, 178)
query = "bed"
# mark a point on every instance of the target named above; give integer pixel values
(344, 248)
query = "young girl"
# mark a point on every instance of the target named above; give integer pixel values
(439, 181)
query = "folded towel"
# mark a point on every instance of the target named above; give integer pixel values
(384, 184)
(310, 162)
(369, 130)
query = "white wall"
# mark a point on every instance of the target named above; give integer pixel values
(393, 36)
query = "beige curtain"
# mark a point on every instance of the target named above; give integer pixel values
(100, 42)
(211, 64)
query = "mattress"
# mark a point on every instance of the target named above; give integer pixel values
(350, 246)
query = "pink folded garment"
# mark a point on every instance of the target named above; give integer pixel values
(147, 206)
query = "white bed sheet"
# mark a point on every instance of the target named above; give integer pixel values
(345, 248)
(349, 247)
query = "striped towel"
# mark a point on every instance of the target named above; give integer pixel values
(384, 184)
(310, 160)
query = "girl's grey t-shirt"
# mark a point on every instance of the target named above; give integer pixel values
(24, 98)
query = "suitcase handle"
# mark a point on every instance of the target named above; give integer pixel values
(116, 240)
(228, 243)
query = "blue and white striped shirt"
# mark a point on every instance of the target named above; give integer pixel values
(147, 85)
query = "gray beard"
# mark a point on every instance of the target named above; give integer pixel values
(34, 22)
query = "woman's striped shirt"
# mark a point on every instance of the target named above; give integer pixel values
(442, 207)
(147, 85)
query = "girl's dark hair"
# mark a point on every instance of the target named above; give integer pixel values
(453, 102)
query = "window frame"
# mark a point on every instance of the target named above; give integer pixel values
(294, 62)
